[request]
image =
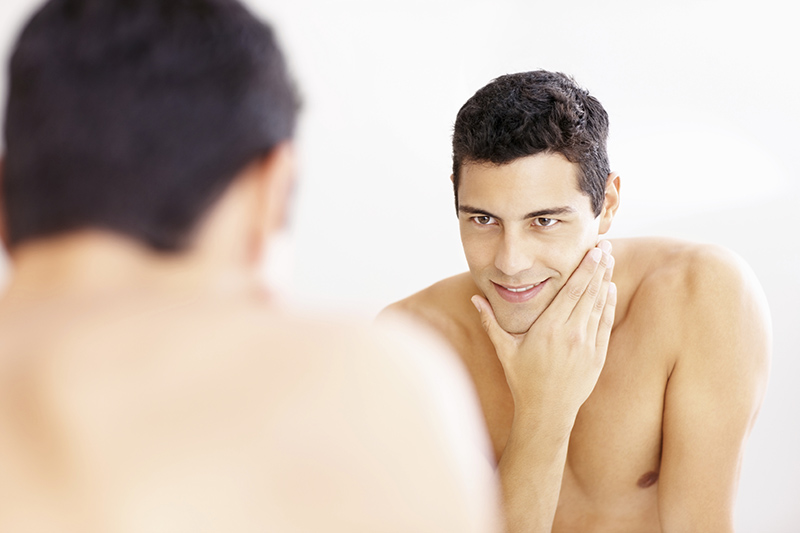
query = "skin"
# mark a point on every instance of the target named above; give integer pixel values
(653, 440)
(145, 392)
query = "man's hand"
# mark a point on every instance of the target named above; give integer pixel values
(554, 366)
(551, 370)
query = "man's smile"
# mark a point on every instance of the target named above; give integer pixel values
(520, 293)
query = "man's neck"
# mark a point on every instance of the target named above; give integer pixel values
(95, 262)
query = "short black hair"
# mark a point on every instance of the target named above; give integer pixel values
(529, 113)
(135, 115)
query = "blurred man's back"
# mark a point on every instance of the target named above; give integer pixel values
(147, 383)
(148, 411)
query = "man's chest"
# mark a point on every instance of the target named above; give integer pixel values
(615, 446)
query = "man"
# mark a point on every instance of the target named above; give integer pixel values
(146, 381)
(658, 443)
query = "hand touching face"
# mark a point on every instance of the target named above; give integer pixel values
(525, 226)
(554, 366)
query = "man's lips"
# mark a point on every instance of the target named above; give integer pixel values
(520, 293)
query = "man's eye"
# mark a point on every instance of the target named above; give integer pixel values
(483, 220)
(544, 222)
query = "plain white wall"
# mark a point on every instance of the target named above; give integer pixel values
(704, 107)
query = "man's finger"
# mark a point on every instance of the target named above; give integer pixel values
(499, 337)
(589, 307)
(606, 321)
(570, 294)
(600, 303)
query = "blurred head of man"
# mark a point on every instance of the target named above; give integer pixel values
(134, 118)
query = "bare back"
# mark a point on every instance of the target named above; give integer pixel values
(136, 412)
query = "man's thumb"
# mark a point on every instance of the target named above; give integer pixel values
(488, 320)
(504, 342)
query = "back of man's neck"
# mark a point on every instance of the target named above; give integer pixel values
(97, 262)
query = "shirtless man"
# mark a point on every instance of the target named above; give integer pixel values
(147, 384)
(658, 444)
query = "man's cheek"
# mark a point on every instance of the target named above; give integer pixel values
(590, 243)
(571, 260)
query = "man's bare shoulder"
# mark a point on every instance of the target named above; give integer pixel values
(445, 306)
(81, 352)
(685, 270)
(695, 288)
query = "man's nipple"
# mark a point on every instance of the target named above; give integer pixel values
(648, 480)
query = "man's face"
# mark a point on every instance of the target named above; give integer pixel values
(525, 226)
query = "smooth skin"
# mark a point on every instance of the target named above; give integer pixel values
(658, 442)
(142, 392)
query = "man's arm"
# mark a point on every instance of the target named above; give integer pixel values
(551, 370)
(713, 393)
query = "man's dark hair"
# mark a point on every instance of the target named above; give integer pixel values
(135, 115)
(529, 113)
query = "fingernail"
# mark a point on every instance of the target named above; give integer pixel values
(612, 288)
(476, 303)
(595, 254)
(605, 246)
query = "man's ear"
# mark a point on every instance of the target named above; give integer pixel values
(455, 193)
(610, 202)
(274, 176)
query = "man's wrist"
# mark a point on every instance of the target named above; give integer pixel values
(543, 425)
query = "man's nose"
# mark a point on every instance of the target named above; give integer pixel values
(513, 255)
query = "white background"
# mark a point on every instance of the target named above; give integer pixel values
(704, 100)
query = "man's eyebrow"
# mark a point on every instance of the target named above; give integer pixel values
(469, 210)
(562, 210)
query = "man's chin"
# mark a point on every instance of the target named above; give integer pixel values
(515, 325)
(517, 319)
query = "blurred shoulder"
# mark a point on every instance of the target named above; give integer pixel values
(239, 386)
(398, 351)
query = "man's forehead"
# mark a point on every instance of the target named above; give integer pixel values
(528, 183)
(532, 163)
